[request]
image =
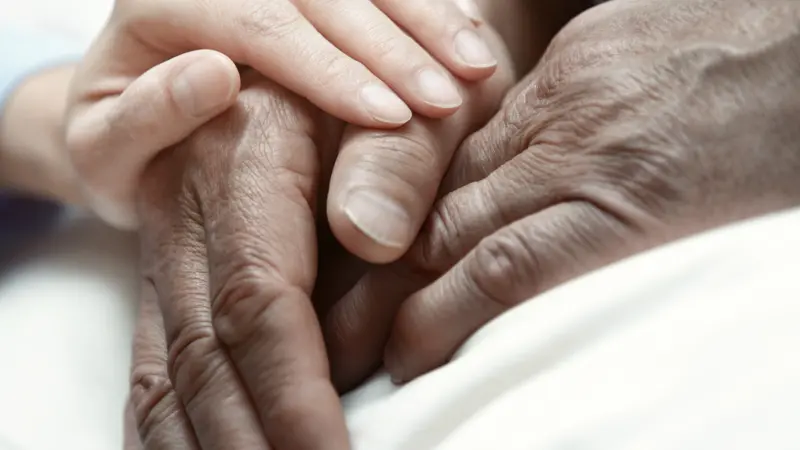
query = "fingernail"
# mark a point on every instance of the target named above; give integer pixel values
(392, 365)
(471, 10)
(473, 51)
(201, 87)
(384, 105)
(380, 218)
(437, 89)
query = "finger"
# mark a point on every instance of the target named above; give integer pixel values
(112, 141)
(364, 32)
(263, 264)
(448, 30)
(338, 272)
(130, 436)
(508, 133)
(204, 379)
(518, 262)
(358, 326)
(260, 33)
(384, 184)
(155, 418)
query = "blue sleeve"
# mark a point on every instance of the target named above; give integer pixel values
(27, 51)
(24, 52)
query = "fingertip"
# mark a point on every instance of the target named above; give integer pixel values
(475, 59)
(438, 92)
(393, 366)
(206, 84)
(384, 106)
(370, 225)
(472, 75)
(402, 353)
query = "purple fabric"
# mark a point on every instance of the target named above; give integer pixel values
(22, 219)
(25, 51)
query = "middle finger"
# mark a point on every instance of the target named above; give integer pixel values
(212, 395)
(262, 253)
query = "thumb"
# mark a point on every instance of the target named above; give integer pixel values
(112, 139)
(514, 264)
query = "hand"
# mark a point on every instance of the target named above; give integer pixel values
(644, 122)
(380, 196)
(160, 69)
(229, 352)
(230, 212)
(406, 167)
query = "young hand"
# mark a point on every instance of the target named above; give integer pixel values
(160, 69)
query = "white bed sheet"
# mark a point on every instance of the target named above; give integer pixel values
(693, 346)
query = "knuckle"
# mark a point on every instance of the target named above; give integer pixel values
(193, 360)
(219, 132)
(401, 155)
(386, 46)
(644, 161)
(244, 303)
(434, 252)
(83, 145)
(339, 70)
(500, 264)
(270, 107)
(450, 17)
(649, 178)
(152, 399)
(482, 152)
(265, 20)
(293, 176)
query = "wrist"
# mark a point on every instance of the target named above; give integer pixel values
(33, 156)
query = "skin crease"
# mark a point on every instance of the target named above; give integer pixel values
(644, 122)
(573, 216)
(409, 185)
(229, 352)
(226, 372)
(367, 62)
(527, 28)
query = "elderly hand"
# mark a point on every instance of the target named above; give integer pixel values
(644, 122)
(229, 351)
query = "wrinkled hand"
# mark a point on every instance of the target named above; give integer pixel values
(644, 122)
(229, 352)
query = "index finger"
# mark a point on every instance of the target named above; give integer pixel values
(272, 37)
(154, 416)
(261, 247)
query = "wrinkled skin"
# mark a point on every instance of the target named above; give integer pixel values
(229, 351)
(645, 121)
(638, 127)
(225, 310)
